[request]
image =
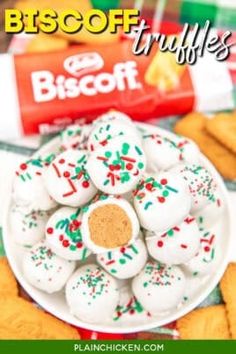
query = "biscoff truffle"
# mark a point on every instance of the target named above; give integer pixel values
(108, 224)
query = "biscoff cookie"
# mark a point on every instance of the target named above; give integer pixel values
(223, 128)
(228, 289)
(45, 43)
(168, 79)
(5, 333)
(20, 319)
(8, 284)
(193, 126)
(205, 323)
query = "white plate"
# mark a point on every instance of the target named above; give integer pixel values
(55, 303)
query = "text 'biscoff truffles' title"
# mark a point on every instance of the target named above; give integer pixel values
(190, 44)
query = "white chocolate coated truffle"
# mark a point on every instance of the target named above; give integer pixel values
(125, 262)
(189, 151)
(108, 223)
(29, 190)
(75, 136)
(113, 116)
(177, 245)
(64, 236)
(162, 153)
(201, 184)
(161, 201)
(129, 309)
(104, 132)
(207, 257)
(117, 167)
(27, 228)
(45, 270)
(211, 213)
(67, 179)
(159, 287)
(92, 294)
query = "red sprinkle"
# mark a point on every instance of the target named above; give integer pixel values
(23, 166)
(76, 223)
(129, 166)
(65, 243)
(102, 158)
(56, 169)
(159, 243)
(66, 174)
(206, 249)
(164, 181)
(74, 190)
(79, 245)
(50, 230)
(128, 159)
(161, 199)
(110, 262)
(149, 186)
(61, 161)
(183, 246)
(80, 174)
(85, 184)
(112, 167)
(104, 142)
(61, 237)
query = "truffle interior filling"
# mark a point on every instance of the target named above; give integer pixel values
(109, 226)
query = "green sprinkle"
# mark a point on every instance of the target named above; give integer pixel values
(125, 177)
(127, 256)
(125, 146)
(165, 193)
(84, 254)
(138, 150)
(140, 165)
(134, 249)
(170, 232)
(171, 189)
(147, 205)
(82, 159)
(122, 261)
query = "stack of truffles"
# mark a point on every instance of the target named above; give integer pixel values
(117, 218)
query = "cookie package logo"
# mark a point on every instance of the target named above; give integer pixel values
(47, 86)
(187, 46)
